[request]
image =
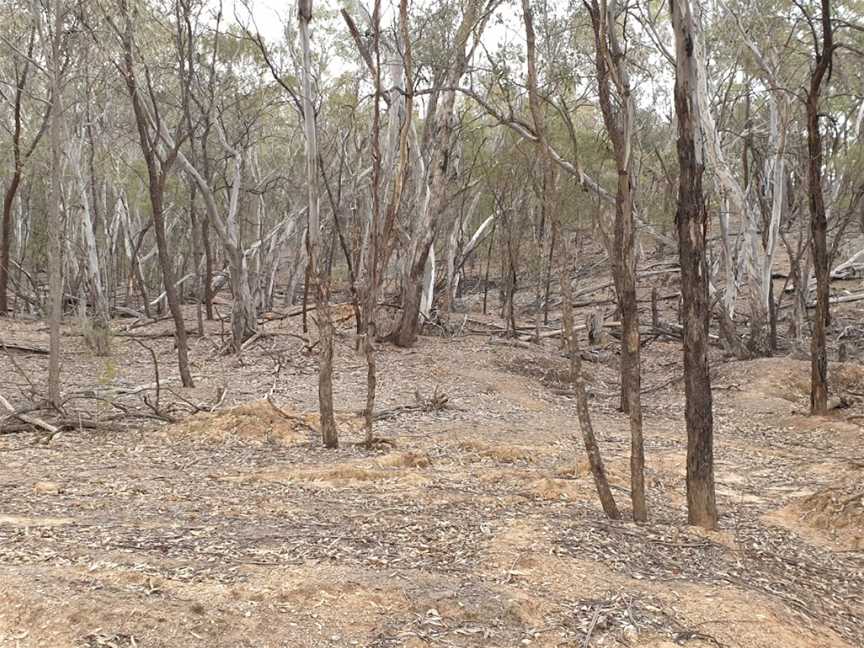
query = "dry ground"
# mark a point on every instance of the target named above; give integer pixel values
(476, 525)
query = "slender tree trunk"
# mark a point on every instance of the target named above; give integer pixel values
(55, 216)
(317, 271)
(6, 241)
(548, 287)
(818, 221)
(170, 281)
(692, 220)
(488, 265)
(157, 170)
(592, 449)
(595, 459)
(618, 116)
(208, 269)
(195, 224)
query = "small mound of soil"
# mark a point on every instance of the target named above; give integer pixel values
(553, 372)
(405, 459)
(335, 476)
(257, 421)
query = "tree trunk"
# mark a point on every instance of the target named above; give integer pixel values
(692, 221)
(157, 171)
(55, 216)
(818, 221)
(595, 460)
(244, 319)
(6, 240)
(317, 272)
(208, 269)
(618, 116)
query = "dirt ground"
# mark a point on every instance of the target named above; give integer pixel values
(473, 525)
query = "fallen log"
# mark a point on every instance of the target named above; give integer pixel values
(26, 418)
(25, 348)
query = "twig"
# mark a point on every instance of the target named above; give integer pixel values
(291, 417)
(19, 368)
(155, 407)
(588, 634)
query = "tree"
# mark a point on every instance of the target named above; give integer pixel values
(692, 221)
(159, 160)
(439, 140)
(819, 74)
(317, 269)
(52, 42)
(592, 449)
(618, 116)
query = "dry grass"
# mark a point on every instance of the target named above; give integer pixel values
(501, 453)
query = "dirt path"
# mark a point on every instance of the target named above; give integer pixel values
(476, 526)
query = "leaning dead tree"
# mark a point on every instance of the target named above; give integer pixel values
(692, 220)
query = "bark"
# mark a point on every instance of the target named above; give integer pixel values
(370, 267)
(6, 242)
(488, 265)
(317, 271)
(818, 221)
(692, 222)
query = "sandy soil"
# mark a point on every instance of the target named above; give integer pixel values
(475, 525)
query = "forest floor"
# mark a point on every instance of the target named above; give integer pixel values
(476, 524)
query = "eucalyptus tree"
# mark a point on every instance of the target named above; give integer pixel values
(50, 25)
(436, 162)
(820, 73)
(595, 459)
(159, 157)
(317, 270)
(618, 106)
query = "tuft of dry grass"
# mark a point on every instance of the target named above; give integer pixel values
(501, 453)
